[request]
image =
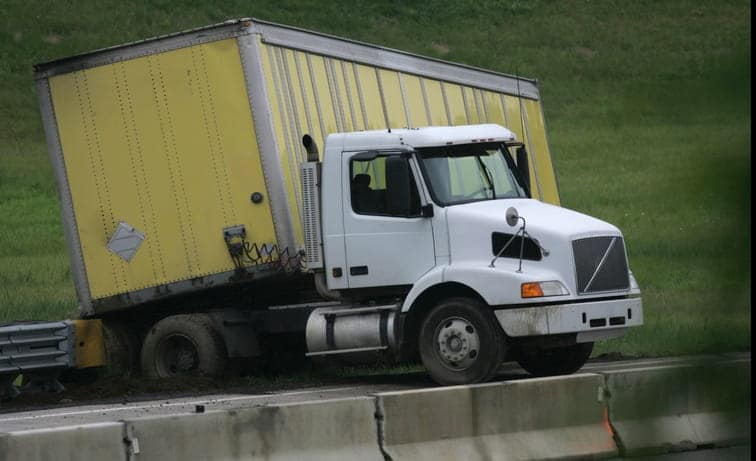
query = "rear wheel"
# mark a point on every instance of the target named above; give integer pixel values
(461, 342)
(555, 361)
(183, 345)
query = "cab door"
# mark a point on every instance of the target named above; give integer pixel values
(387, 240)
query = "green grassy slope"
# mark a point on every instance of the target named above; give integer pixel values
(647, 106)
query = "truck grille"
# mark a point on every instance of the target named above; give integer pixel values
(600, 264)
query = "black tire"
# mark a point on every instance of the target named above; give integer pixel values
(555, 361)
(183, 345)
(448, 347)
(121, 349)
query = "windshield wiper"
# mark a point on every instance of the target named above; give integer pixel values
(489, 178)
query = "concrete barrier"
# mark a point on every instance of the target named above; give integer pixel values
(681, 407)
(626, 412)
(548, 418)
(73, 443)
(335, 429)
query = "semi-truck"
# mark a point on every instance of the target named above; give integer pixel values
(249, 189)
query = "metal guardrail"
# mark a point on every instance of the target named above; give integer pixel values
(37, 349)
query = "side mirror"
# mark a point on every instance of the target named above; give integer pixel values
(512, 216)
(397, 185)
(524, 169)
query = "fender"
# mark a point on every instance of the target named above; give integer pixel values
(497, 286)
(429, 279)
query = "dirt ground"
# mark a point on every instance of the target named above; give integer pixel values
(96, 386)
(89, 388)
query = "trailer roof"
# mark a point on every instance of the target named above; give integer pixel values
(296, 38)
(66, 64)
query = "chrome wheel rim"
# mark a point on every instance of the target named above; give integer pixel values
(457, 343)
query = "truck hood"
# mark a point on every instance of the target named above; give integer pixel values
(471, 226)
(472, 262)
(542, 219)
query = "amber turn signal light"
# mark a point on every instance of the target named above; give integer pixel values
(531, 290)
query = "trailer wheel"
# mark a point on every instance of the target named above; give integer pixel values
(554, 361)
(461, 342)
(183, 345)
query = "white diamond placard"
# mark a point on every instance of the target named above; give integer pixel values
(125, 241)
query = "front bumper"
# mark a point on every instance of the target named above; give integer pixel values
(592, 321)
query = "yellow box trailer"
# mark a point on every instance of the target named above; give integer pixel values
(162, 143)
(203, 218)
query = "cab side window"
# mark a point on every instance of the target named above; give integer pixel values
(383, 185)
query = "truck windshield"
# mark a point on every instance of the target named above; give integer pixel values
(470, 173)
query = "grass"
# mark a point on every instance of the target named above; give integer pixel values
(647, 106)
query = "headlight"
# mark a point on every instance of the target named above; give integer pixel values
(543, 289)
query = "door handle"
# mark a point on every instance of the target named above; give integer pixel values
(358, 270)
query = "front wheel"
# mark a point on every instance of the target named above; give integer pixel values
(461, 342)
(555, 361)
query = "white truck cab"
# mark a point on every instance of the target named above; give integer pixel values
(438, 223)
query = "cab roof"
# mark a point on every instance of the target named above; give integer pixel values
(432, 136)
